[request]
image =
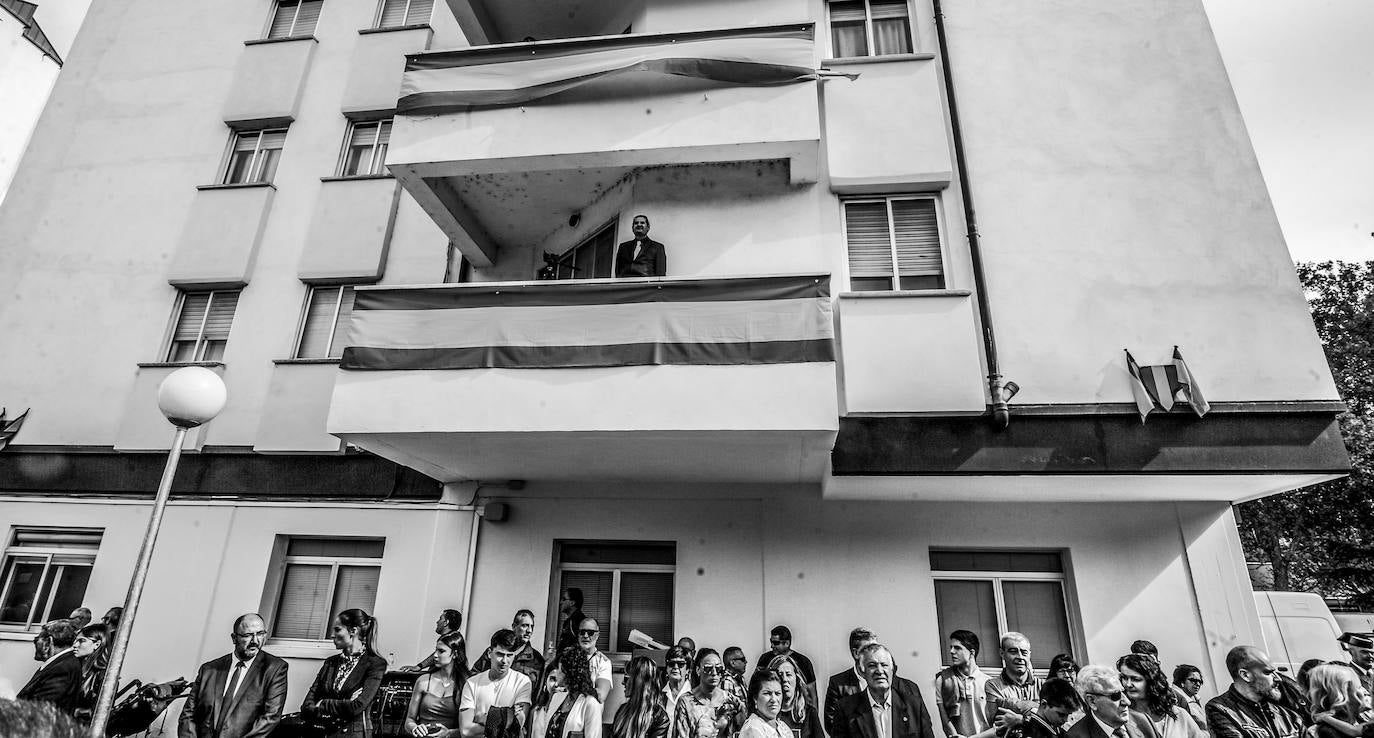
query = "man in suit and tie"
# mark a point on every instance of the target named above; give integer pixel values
(1108, 710)
(58, 680)
(888, 707)
(239, 695)
(641, 256)
(850, 681)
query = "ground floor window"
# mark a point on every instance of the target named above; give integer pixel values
(625, 585)
(314, 579)
(45, 574)
(994, 592)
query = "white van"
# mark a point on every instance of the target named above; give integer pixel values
(1298, 626)
(1355, 622)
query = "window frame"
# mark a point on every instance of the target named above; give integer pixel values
(199, 350)
(569, 256)
(333, 324)
(991, 664)
(613, 627)
(272, 16)
(281, 561)
(868, 32)
(254, 161)
(352, 127)
(405, 17)
(14, 550)
(887, 199)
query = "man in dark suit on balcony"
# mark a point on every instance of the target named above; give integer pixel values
(641, 256)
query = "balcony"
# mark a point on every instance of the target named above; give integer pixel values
(499, 144)
(633, 379)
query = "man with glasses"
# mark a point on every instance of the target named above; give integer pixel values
(1016, 689)
(528, 661)
(239, 695)
(780, 641)
(599, 663)
(1246, 709)
(735, 662)
(1187, 683)
(58, 680)
(677, 670)
(1108, 709)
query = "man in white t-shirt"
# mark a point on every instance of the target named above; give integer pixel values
(600, 663)
(500, 686)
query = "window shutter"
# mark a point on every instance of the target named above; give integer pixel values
(319, 323)
(883, 9)
(74, 540)
(847, 12)
(282, 19)
(870, 249)
(646, 604)
(596, 600)
(918, 237)
(357, 587)
(364, 134)
(302, 611)
(420, 11)
(341, 326)
(221, 315)
(969, 605)
(339, 548)
(193, 306)
(393, 14)
(305, 21)
(1037, 610)
(273, 139)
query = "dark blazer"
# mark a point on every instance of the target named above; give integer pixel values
(652, 262)
(910, 719)
(59, 683)
(841, 685)
(341, 706)
(1137, 727)
(253, 711)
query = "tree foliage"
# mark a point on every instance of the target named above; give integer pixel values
(1322, 538)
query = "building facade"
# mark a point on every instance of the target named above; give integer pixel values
(30, 64)
(881, 383)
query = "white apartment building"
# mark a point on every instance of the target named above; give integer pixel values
(29, 64)
(341, 206)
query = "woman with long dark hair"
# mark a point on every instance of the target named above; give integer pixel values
(1151, 695)
(642, 714)
(708, 711)
(796, 712)
(89, 644)
(567, 701)
(347, 682)
(765, 697)
(433, 707)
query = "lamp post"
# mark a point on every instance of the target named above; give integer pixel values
(188, 397)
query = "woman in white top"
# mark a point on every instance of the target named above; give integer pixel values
(765, 702)
(567, 706)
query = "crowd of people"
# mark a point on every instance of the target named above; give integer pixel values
(514, 691)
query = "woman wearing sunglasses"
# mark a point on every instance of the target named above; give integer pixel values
(708, 711)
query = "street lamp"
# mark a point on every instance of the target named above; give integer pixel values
(188, 397)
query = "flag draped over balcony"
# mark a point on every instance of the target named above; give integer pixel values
(1159, 386)
(758, 320)
(512, 74)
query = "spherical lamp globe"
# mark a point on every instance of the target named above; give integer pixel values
(191, 396)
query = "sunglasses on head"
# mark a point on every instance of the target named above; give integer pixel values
(587, 632)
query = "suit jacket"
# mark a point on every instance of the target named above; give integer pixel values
(252, 712)
(340, 705)
(1138, 726)
(910, 718)
(840, 685)
(652, 261)
(58, 682)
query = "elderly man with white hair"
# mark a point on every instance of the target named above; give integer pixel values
(1108, 711)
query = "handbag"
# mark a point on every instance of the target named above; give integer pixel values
(502, 723)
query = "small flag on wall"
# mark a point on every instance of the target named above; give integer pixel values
(1160, 386)
(10, 428)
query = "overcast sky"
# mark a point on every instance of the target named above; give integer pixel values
(1303, 71)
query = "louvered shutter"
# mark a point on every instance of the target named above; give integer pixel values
(393, 14)
(306, 19)
(646, 604)
(869, 241)
(357, 587)
(193, 306)
(918, 238)
(283, 18)
(420, 11)
(341, 325)
(302, 611)
(596, 600)
(221, 315)
(318, 324)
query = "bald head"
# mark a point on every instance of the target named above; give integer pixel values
(250, 632)
(1252, 673)
(1243, 657)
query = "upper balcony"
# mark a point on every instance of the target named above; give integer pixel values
(639, 379)
(491, 139)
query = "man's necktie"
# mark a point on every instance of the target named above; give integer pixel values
(234, 681)
(1120, 732)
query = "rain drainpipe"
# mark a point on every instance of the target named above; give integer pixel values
(999, 390)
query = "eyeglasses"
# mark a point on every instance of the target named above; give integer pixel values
(733, 659)
(1194, 680)
(588, 632)
(713, 670)
(1113, 696)
(677, 664)
(84, 639)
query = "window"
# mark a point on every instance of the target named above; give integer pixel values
(869, 28)
(594, 257)
(994, 592)
(903, 231)
(45, 574)
(253, 156)
(202, 328)
(325, 322)
(292, 18)
(625, 585)
(365, 148)
(321, 577)
(394, 13)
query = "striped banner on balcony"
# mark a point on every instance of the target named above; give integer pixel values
(763, 320)
(512, 74)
